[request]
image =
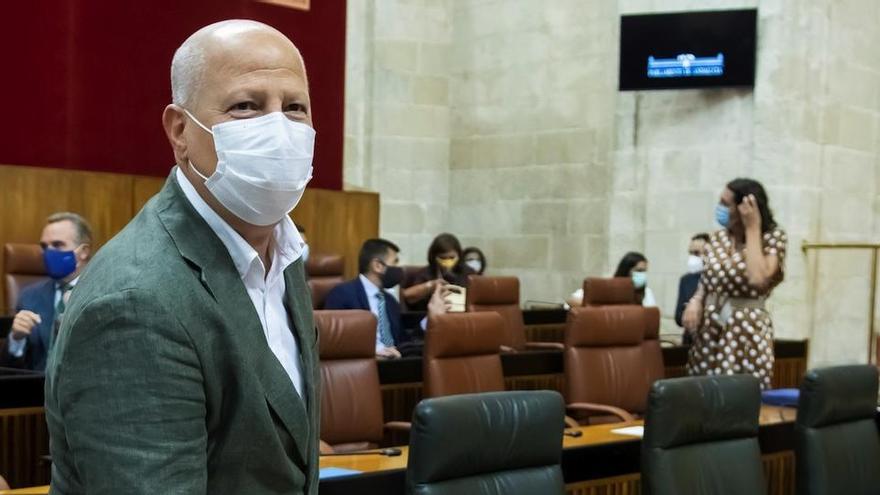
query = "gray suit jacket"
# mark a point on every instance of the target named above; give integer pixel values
(161, 380)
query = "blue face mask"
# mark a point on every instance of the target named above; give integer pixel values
(722, 215)
(640, 279)
(59, 264)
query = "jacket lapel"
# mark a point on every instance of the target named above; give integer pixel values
(361, 294)
(201, 247)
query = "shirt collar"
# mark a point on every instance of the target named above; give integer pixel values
(287, 243)
(369, 287)
(59, 284)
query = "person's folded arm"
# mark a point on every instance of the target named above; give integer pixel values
(129, 392)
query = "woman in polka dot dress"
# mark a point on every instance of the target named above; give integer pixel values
(732, 330)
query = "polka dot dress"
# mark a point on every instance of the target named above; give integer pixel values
(743, 343)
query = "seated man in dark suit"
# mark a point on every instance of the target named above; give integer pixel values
(377, 263)
(66, 243)
(687, 286)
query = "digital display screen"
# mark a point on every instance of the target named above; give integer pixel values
(688, 50)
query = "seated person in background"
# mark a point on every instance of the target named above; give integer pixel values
(445, 266)
(475, 260)
(635, 266)
(377, 264)
(66, 242)
(687, 286)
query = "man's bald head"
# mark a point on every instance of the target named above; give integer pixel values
(210, 45)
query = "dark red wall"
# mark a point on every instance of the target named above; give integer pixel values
(85, 82)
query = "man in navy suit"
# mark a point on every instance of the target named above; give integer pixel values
(688, 283)
(66, 243)
(377, 263)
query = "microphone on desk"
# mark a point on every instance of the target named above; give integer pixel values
(389, 452)
(572, 433)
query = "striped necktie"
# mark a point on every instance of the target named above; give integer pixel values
(384, 326)
(64, 287)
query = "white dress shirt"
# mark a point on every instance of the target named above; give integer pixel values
(266, 291)
(17, 347)
(371, 289)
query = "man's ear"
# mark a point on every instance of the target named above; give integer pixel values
(85, 252)
(174, 123)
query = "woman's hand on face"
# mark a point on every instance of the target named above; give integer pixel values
(749, 213)
(692, 315)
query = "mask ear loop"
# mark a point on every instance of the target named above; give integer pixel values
(191, 166)
(209, 131)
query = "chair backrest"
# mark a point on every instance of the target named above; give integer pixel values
(652, 353)
(501, 295)
(351, 402)
(605, 359)
(461, 354)
(609, 291)
(619, 291)
(22, 266)
(325, 271)
(503, 442)
(701, 436)
(837, 443)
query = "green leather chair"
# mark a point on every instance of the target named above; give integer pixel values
(701, 437)
(837, 443)
(491, 443)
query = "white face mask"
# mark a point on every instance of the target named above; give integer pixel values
(695, 264)
(263, 166)
(474, 265)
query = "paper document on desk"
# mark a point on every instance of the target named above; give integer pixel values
(633, 431)
(334, 472)
(456, 298)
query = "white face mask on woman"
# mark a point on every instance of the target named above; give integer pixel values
(263, 166)
(694, 264)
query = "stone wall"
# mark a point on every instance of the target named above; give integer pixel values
(397, 115)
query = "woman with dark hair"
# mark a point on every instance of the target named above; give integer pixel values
(732, 330)
(445, 266)
(475, 260)
(634, 266)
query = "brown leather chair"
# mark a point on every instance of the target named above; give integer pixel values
(461, 354)
(351, 402)
(22, 266)
(608, 291)
(501, 295)
(608, 368)
(325, 272)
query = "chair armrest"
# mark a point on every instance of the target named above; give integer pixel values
(571, 422)
(587, 406)
(398, 425)
(545, 345)
(325, 448)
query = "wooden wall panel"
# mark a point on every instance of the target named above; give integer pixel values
(24, 439)
(339, 222)
(335, 221)
(144, 188)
